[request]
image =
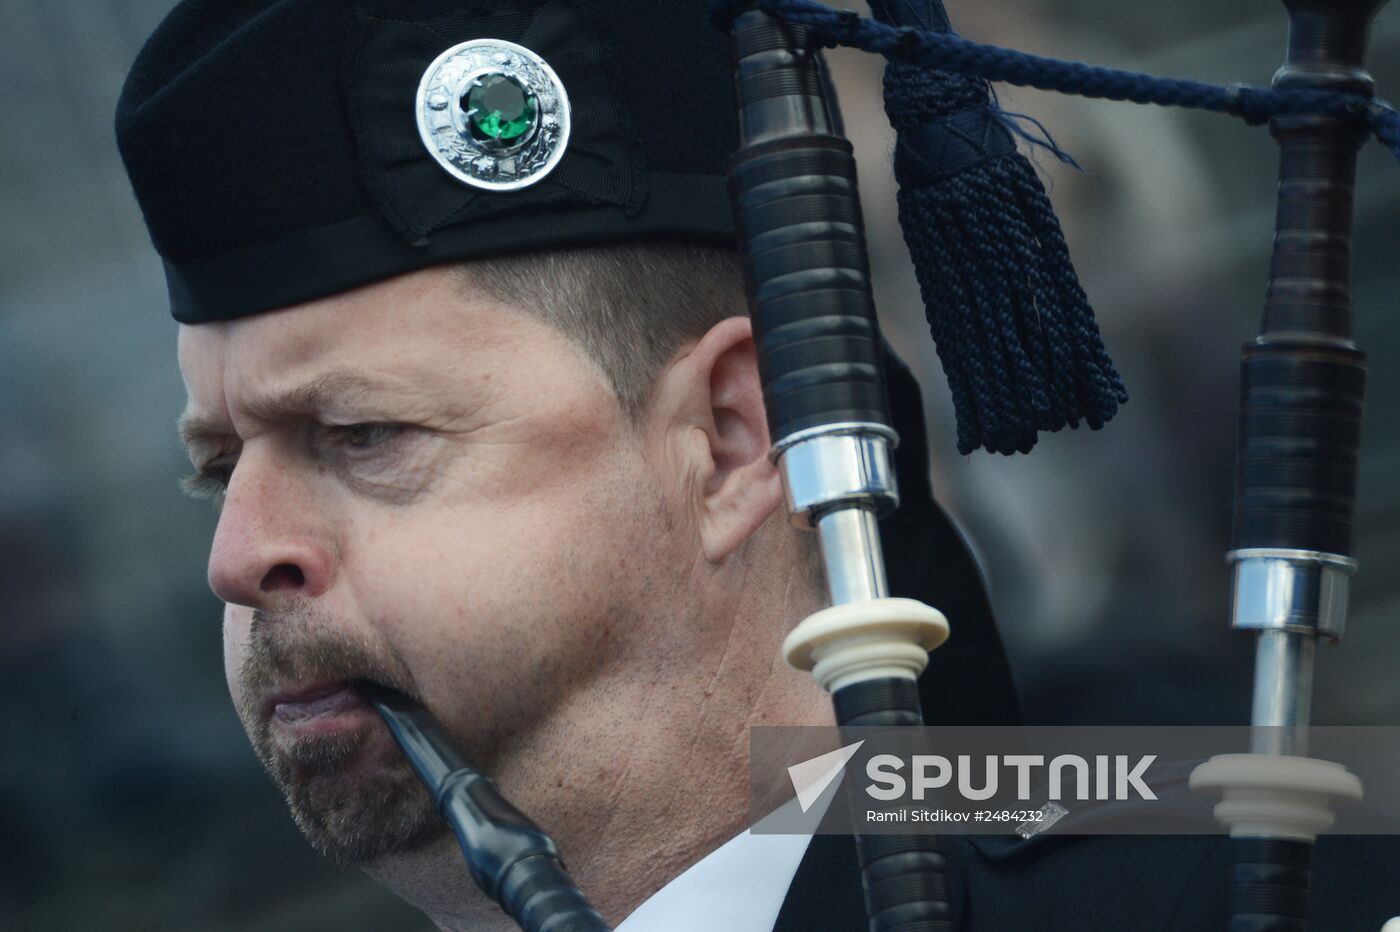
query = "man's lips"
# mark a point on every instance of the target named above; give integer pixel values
(321, 707)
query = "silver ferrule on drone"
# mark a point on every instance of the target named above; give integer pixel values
(1290, 600)
(838, 480)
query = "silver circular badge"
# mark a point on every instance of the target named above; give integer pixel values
(493, 114)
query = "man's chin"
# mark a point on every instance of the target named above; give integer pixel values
(352, 795)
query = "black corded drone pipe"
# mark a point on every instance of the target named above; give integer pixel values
(1303, 377)
(796, 204)
(803, 239)
(1302, 381)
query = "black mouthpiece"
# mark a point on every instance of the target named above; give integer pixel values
(510, 857)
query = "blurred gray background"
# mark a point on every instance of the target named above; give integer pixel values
(128, 797)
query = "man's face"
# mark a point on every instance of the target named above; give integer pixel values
(437, 494)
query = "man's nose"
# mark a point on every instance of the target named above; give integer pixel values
(271, 541)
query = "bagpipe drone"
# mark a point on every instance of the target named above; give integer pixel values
(1022, 354)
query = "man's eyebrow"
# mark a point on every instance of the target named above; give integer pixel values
(323, 392)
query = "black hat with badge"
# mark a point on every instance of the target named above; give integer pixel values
(287, 150)
(278, 149)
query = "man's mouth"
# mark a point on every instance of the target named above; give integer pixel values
(320, 708)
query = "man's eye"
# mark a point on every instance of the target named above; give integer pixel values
(365, 436)
(210, 481)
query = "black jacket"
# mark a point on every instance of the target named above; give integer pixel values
(1091, 883)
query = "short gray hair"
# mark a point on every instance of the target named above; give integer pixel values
(630, 307)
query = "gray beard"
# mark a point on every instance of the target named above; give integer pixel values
(354, 801)
(351, 808)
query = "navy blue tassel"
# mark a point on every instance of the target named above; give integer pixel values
(1012, 325)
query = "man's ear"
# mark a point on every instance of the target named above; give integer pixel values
(710, 401)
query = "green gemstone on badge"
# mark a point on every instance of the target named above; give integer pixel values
(504, 111)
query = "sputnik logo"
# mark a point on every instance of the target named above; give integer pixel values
(811, 777)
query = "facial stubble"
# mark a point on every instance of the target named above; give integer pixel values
(354, 799)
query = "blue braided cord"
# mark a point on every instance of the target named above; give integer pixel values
(951, 53)
(1011, 323)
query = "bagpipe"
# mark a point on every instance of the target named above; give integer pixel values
(1022, 354)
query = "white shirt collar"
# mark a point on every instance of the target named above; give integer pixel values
(738, 887)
